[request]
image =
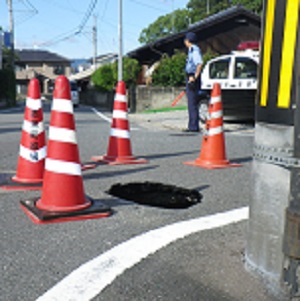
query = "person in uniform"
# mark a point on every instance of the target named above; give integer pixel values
(192, 69)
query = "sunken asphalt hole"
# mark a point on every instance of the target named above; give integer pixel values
(156, 194)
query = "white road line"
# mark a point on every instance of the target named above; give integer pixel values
(105, 118)
(90, 279)
(101, 115)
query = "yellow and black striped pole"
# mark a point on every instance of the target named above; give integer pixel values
(276, 93)
(273, 236)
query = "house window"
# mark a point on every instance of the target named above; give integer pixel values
(59, 70)
(20, 67)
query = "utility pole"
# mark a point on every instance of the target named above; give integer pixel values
(173, 18)
(273, 242)
(11, 30)
(1, 45)
(120, 29)
(207, 7)
(95, 42)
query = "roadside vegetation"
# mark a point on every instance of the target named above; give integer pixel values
(106, 76)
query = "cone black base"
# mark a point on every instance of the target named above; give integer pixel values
(7, 183)
(38, 216)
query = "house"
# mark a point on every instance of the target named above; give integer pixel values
(221, 33)
(85, 74)
(42, 64)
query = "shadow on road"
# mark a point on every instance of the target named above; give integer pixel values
(242, 160)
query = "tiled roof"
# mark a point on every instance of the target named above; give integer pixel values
(34, 55)
(220, 32)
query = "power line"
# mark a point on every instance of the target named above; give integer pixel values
(87, 15)
(147, 5)
(76, 31)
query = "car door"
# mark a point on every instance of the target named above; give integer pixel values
(244, 73)
(217, 71)
(243, 86)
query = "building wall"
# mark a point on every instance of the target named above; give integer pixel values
(47, 73)
(149, 98)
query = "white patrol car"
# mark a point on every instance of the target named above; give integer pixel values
(237, 75)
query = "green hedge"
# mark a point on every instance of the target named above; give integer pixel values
(8, 87)
(170, 71)
(105, 78)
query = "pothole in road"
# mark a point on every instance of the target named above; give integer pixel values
(156, 194)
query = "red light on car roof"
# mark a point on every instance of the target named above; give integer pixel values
(254, 45)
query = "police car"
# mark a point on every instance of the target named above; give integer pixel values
(237, 75)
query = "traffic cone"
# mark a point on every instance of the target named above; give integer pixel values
(31, 161)
(119, 147)
(63, 197)
(213, 153)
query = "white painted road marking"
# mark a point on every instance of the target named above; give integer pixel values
(90, 279)
(101, 115)
(105, 118)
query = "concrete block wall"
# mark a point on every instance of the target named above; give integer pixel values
(149, 98)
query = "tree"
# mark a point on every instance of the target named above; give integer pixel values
(7, 79)
(253, 5)
(198, 8)
(131, 69)
(103, 78)
(170, 71)
(165, 25)
(106, 77)
(195, 10)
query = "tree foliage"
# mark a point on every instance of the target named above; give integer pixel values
(165, 25)
(106, 77)
(103, 78)
(170, 71)
(199, 9)
(7, 80)
(195, 11)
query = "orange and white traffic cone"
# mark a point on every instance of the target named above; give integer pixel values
(119, 147)
(213, 153)
(31, 161)
(63, 197)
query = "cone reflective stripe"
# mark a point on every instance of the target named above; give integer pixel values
(213, 153)
(119, 147)
(63, 196)
(32, 149)
(32, 152)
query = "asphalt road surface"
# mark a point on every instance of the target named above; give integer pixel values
(132, 255)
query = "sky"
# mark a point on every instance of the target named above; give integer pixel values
(41, 24)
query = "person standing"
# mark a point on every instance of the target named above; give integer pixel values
(192, 69)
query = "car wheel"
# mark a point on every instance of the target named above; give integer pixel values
(203, 112)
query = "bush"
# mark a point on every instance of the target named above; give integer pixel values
(8, 86)
(209, 55)
(131, 69)
(103, 78)
(106, 77)
(170, 71)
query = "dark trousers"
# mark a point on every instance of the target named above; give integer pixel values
(192, 96)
